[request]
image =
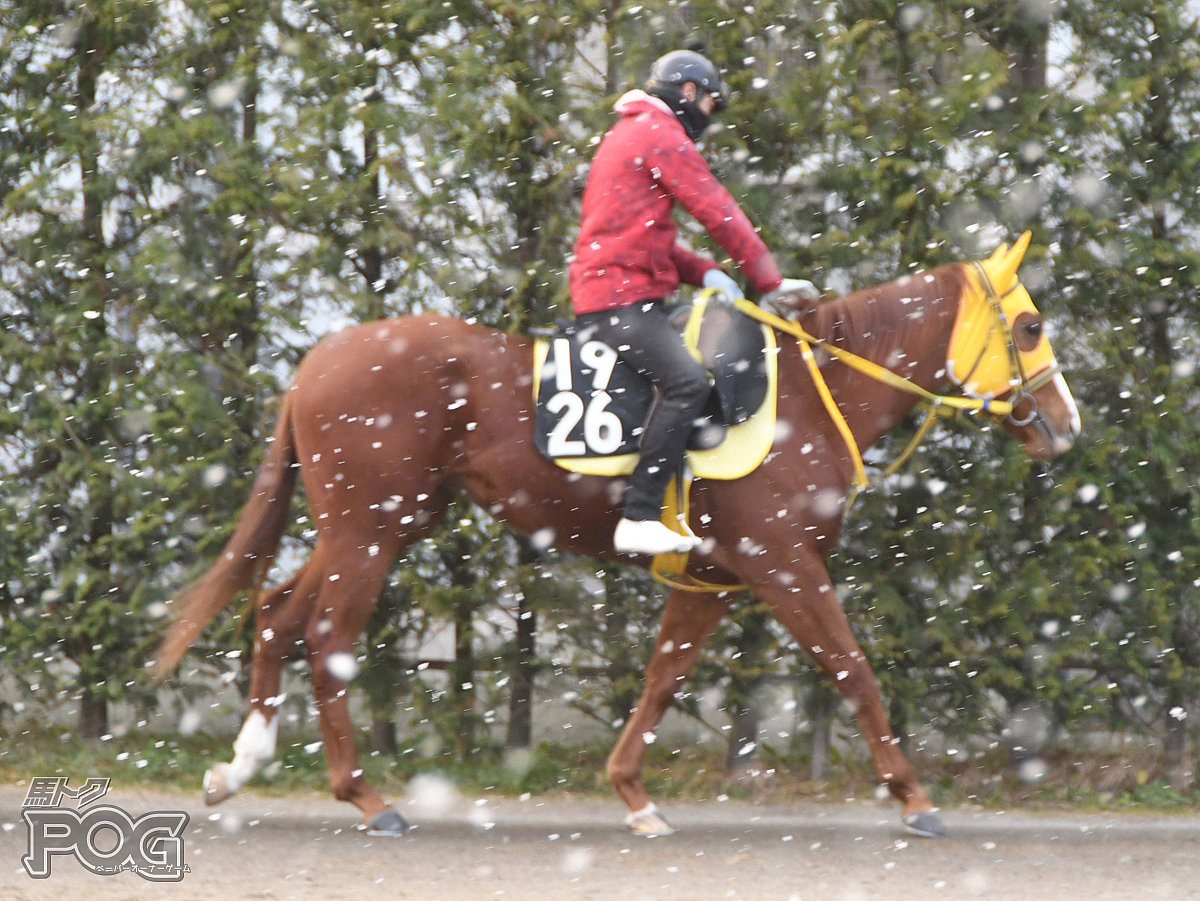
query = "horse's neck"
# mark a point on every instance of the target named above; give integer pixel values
(905, 327)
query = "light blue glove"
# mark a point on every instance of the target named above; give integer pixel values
(719, 281)
(792, 297)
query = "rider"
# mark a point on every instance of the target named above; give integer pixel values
(627, 262)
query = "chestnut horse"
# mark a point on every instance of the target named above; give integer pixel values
(386, 422)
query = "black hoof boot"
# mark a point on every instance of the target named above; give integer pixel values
(926, 824)
(387, 822)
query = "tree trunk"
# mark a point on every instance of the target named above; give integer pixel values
(462, 673)
(1028, 66)
(93, 715)
(899, 724)
(1176, 771)
(383, 735)
(520, 705)
(820, 714)
(622, 692)
(371, 252)
(97, 376)
(743, 737)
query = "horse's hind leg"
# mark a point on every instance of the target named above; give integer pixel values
(353, 575)
(282, 615)
(688, 622)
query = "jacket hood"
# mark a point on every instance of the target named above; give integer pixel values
(636, 102)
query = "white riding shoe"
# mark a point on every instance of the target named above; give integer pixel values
(650, 537)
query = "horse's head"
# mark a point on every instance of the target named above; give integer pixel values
(999, 350)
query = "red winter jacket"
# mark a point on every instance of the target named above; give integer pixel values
(626, 249)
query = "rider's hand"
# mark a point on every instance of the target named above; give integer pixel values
(719, 281)
(792, 297)
(801, 288)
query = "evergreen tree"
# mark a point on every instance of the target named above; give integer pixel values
(192, 194)
(1127, 222)
(74, 376)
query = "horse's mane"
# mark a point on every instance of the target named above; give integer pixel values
(873, 321)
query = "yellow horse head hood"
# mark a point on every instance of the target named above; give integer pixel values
(998, 340)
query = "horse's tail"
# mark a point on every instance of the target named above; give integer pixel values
(247, 555)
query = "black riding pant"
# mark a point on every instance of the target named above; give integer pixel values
(643, 336)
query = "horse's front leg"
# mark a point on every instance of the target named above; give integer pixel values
(807, 604)
(688, 622)
(282, 615)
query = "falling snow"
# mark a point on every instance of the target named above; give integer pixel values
(342, 665)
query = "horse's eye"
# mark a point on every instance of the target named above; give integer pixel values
(1027, 331)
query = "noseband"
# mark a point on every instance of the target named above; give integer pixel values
(1022, 386)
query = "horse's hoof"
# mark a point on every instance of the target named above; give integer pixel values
(387, 822)
(926, 824)
(217, 787)
(648, 822)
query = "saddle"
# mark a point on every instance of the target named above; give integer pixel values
(592, 407)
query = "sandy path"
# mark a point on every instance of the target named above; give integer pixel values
(561, 849)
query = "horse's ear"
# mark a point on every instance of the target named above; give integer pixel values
(1006, 272)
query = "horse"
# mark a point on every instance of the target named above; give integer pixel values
(388, 421)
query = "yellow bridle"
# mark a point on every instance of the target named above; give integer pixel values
(982, 333)
(984, 359)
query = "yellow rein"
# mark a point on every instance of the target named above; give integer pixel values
(936, 404)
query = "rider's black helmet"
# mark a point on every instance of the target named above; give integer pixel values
(680, 66)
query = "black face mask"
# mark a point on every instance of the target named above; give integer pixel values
(694, 120)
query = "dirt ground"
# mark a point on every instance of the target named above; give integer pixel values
(537, 849)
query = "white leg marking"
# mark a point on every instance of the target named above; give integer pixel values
(253, 749)
(649, 822)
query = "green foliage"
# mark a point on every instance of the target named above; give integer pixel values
(187, 205)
